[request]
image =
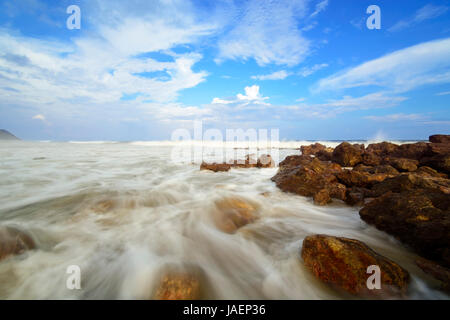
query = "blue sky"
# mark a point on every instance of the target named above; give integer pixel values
(138, 70)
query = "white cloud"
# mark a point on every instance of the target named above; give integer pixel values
(307, 71)
(278, 75)
(39, 117)
(443, 93)
(252, 95)
(397, 117)
(427, 12)
(268, 32)
(321, 6)
(403, 70)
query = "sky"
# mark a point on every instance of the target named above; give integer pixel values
(140, 70)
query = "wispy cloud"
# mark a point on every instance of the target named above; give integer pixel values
(425, 13)
(403, 70)
(256, 36)
(307, 71)
(446, 93)
(278, 75)
(397, 117)
(321, 6)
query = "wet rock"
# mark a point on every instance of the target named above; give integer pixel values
(248, 162)
(419, 218)
(410, 181)
(429, 172)
(348, 155)
(265, 161)
(234, 213)
(440, 138)
(314, 149)
(178, 286)
(356, 196)
(402, 164)
(438, 162)
(414, 151)
(14, 242)
(437, 271)
(343, 263)
(381, 149)
(309, 177)
(322, 197)
(371, 159)
(389, 170)
(294, 161)
(325, 155)
(216, 167)
(360, 178)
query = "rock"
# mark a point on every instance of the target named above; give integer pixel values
(216, 167)
(360, 178)
(309, 176)
(314, 149)
(402, 164)
(14, 242)
(348, 155)
(178, 286)
(265, 161)
(437, 271)
(419, 218)
(389, 170)
(343, 263)
(438, 162)
(429, 172)
(414, 151)
(322, 197)
(356, 195)
(325, 155)
(371, 159)
(411, 181)
(381, 149)
(440, 138)
(234, 213)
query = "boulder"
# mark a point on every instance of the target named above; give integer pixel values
(14, 242)
(348, 155)
(437, 271)
(265, 161)
(313, 149)
(414, 151)
(429, 172)
(344, 262)
(356, 195)
(418, 217)
(440, 138)
(234, 213)
(354, 178)
(178, 286)
(411, 181)
(381, 149)
(322, 197)
(389, 170)
(216, 167)
(309, 176)
(402, 164)
(439, 162)
(325, 155)
(371, 159)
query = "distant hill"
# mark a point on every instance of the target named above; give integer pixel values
(6, 135)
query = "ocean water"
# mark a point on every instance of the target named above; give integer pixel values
(127, 212)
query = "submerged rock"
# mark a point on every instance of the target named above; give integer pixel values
(234, 213)
(14, 242)
(343, 263)
(178, 286)
(216, 167)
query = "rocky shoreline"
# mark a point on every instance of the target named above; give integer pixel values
(403, 190)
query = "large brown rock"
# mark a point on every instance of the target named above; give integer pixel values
(440, 138)
(14, 242)
(414, 151)
(343, 263)
(402, 164)
(381, 149)
(354, 178)
(419, 218)
(409, 182)
(178, 286)
(314, 149)
(387, 169)
(348, 155)
(234, 213)
(429, 172)
(216, 167)
(306, 177)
